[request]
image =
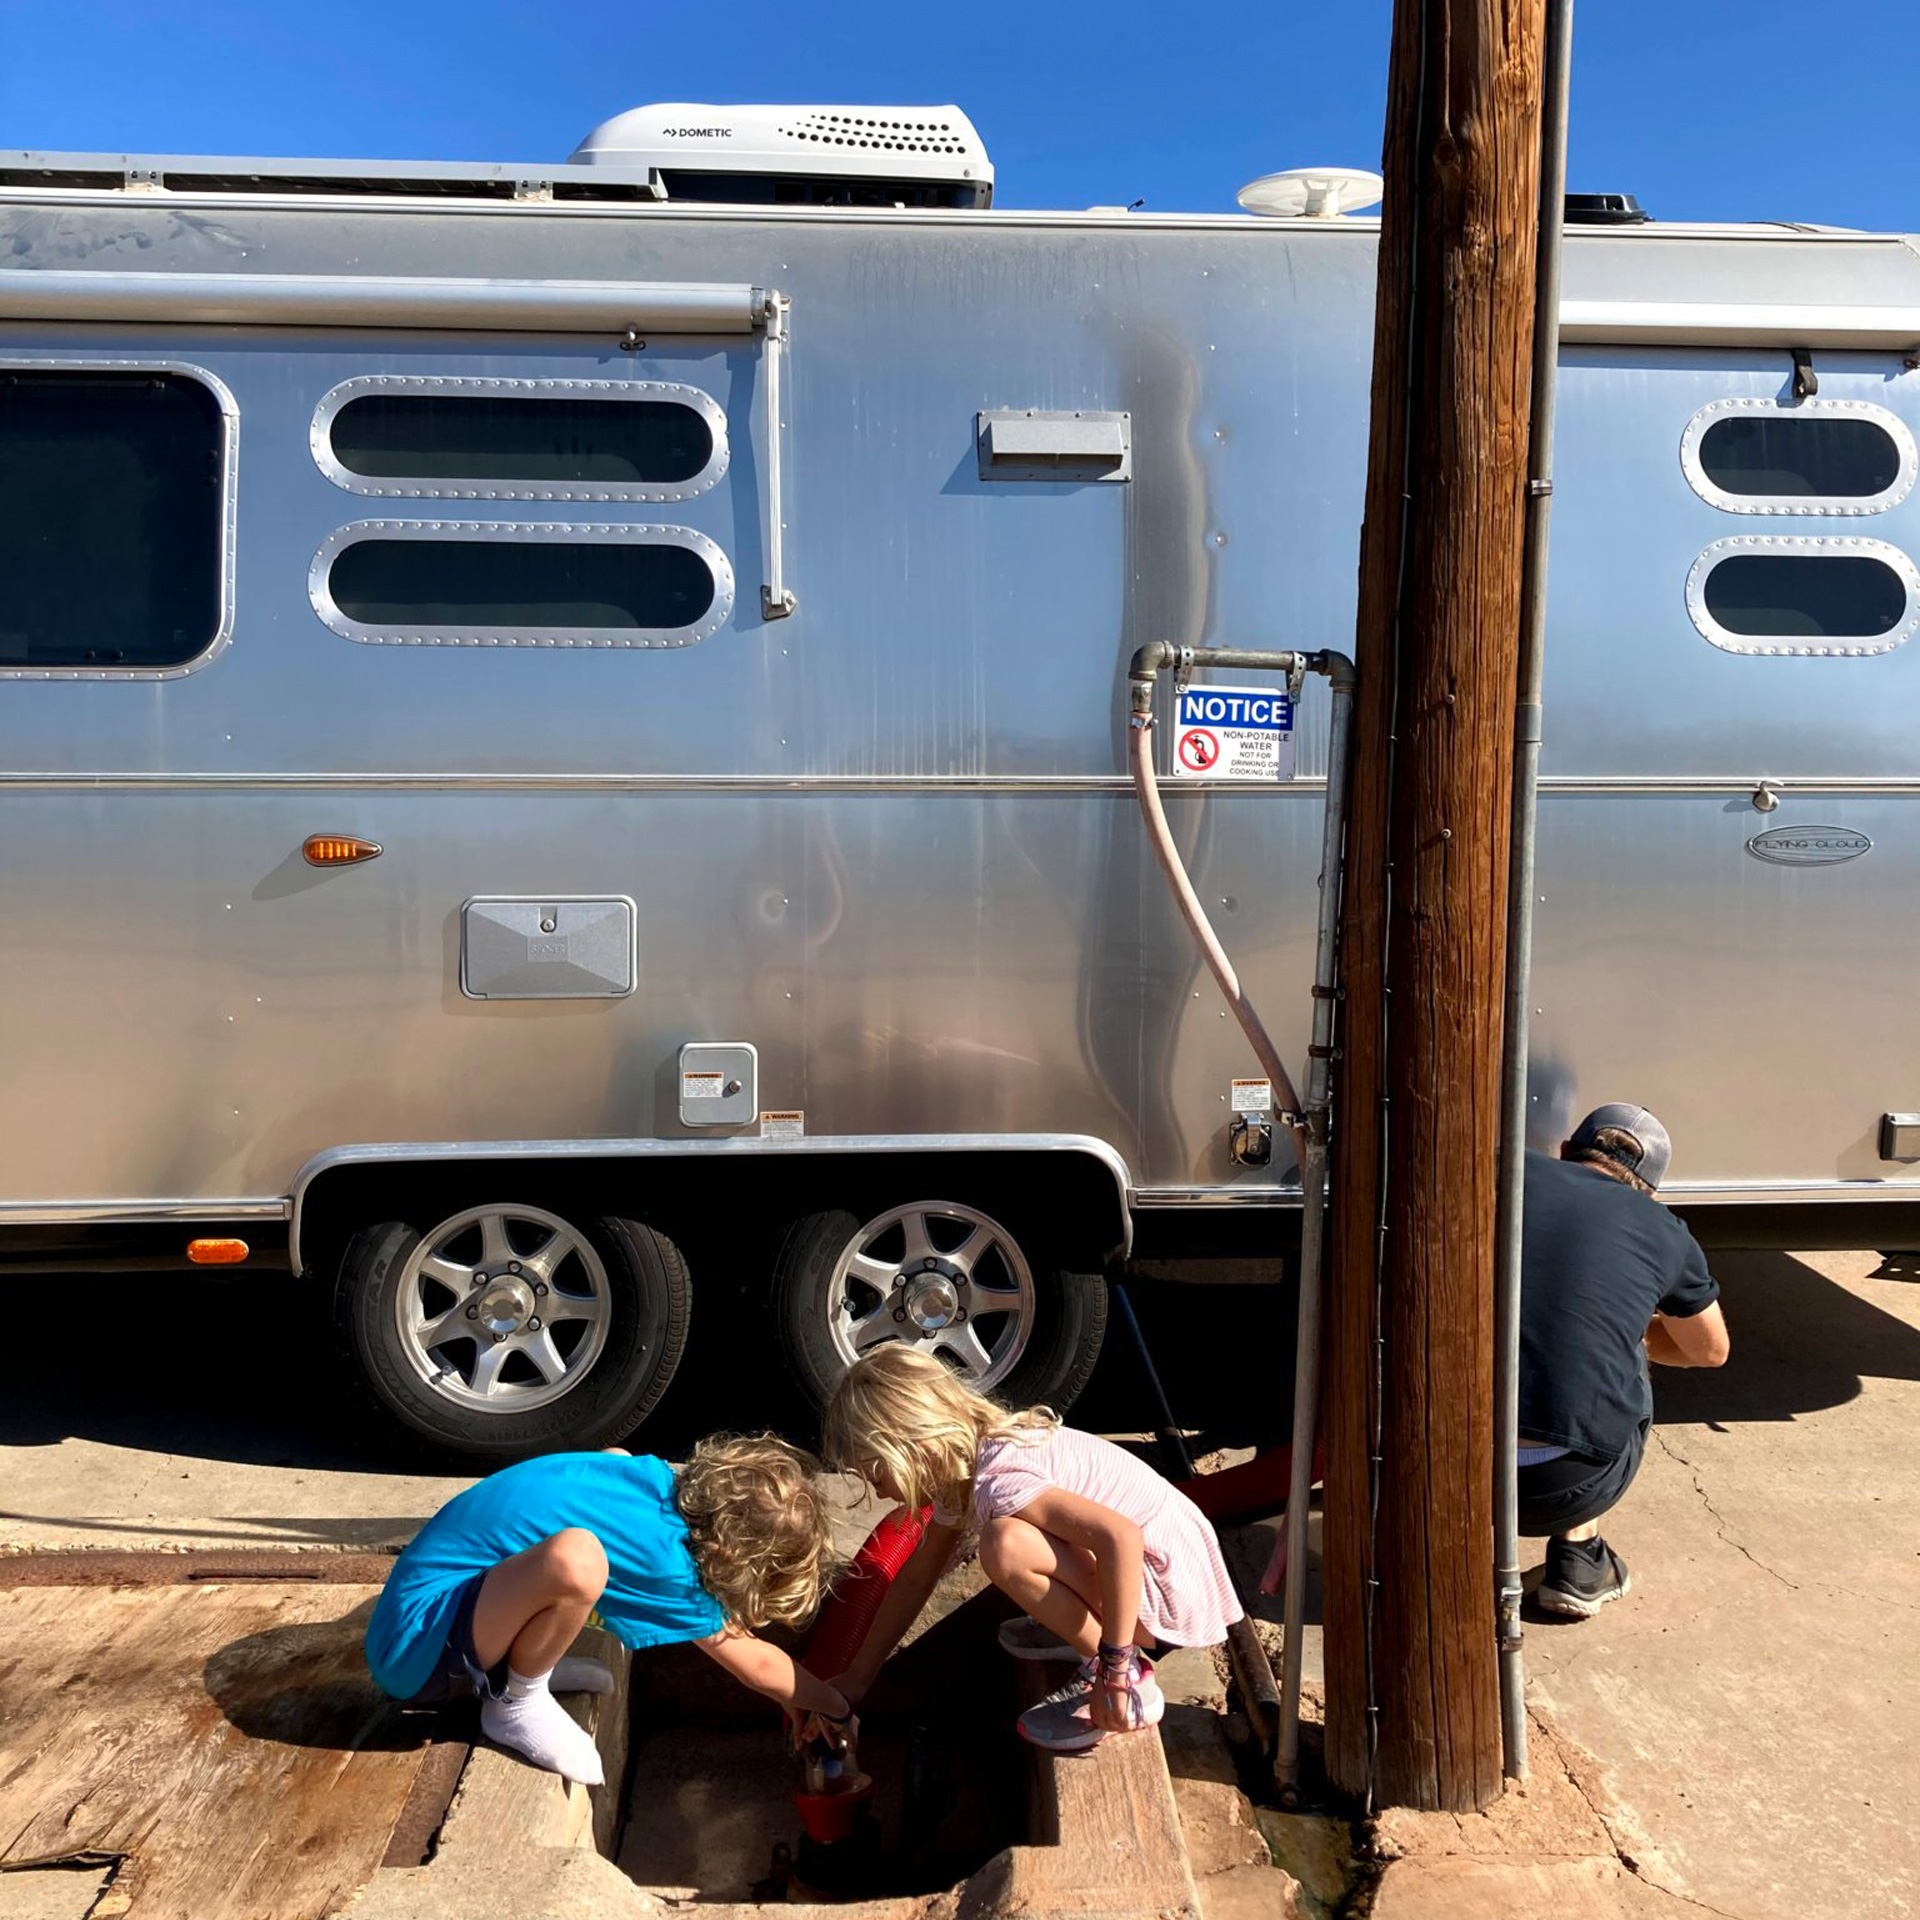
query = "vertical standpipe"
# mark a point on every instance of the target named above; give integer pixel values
(1308, 1120)
(1526, 768)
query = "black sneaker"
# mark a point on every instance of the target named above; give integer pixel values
(1582, 1576)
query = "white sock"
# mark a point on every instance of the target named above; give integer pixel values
(576, 1674)
(532, 1723)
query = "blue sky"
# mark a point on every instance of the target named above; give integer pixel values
(1708, 109)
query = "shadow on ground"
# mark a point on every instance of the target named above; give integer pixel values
(306, 1684)
(247, 1371)
(1800, 1343)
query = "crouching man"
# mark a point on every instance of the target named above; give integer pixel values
(1609, 1280)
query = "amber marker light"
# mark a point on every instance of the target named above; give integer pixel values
(338, 850)
(217, 1253)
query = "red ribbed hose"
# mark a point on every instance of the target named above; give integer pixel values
(841, 1631)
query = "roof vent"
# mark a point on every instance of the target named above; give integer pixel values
(1605, 210)
(1312, 193)
(829, 155)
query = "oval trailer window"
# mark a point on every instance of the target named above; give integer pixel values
(518, 439)
(1811, 459)
(1791, 456)
(1826, 596)
(522, 586)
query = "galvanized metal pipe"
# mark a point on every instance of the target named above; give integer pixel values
(1526, 749)
(1313, 1175)
(1312, 1132)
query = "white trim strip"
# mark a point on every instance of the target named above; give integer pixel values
(136, 1213)
(1758, 1193)
(1645, 323)
(1112, 786)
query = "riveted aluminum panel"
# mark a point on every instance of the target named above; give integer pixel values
(890, 837)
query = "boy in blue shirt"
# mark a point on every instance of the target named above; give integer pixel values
(497, 1584)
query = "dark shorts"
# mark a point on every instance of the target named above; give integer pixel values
(1559, 1495)
(460, 1675)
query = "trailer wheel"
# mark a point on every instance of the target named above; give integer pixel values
(506, 1331)
(944, 1277)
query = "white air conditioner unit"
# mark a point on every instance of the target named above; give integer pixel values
(823, 155)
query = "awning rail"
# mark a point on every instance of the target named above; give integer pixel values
(372, 300)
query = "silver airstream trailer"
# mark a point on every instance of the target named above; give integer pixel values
(562, 733)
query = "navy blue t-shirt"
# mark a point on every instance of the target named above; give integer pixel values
(1597, 1262)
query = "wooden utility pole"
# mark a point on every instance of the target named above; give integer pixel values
(1412, 1702)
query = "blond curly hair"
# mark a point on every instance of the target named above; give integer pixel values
(912, 1428)
(762, 1538)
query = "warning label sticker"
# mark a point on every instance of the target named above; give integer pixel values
(1234, 733)
(782, 1126)
(703, 1086)
(1252, 1096)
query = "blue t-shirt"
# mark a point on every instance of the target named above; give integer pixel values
(653, 1595)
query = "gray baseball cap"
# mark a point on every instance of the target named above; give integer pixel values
(1656, 1149)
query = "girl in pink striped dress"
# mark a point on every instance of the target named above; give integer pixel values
(1105, 1557)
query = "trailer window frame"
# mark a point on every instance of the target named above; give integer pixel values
(338, 398)
(1693, 465)
(1836, 646)
(228, 409)
(521, 634)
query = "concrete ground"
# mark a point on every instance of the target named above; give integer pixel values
(1739, 1734)
(1751, 1703)
(199, 1411)
(1741, 1724)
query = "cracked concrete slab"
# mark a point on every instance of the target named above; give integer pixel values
(1466, 1887)
(1750, 1701)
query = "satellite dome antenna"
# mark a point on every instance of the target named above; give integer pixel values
(1312, 193)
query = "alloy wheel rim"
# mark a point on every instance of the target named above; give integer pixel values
(939, 1276)
(503, 1309)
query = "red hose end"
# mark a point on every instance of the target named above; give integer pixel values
(828, 1817)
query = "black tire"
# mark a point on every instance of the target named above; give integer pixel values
(649, 1302)
(1062, 1346)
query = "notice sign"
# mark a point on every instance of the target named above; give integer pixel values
(1234, 733)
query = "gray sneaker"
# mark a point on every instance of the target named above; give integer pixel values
(1063, 1721)
(1026, 1639)
(1581, 1578)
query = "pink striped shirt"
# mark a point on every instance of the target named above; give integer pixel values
(1187, 1599)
